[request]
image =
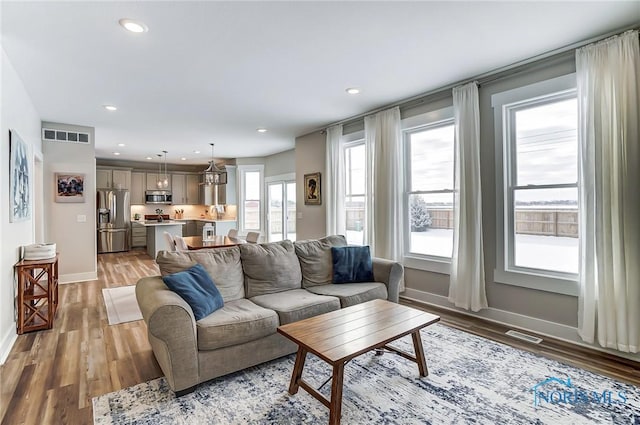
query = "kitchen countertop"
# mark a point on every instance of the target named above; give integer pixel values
(204, 219)
(158, 223)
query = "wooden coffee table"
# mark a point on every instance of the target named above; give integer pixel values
(341, 335)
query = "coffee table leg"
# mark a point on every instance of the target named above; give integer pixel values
(301, 356)
(335, 408)
(417, 345)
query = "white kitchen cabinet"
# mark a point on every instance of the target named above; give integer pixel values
(138, 186)
(178, 189)
(113, 178)
(193, 189)
(185, 189)
(138, 235)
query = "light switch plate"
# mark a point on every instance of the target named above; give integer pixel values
(299, 215)
(81, 218)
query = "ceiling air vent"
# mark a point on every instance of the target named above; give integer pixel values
(64, 136)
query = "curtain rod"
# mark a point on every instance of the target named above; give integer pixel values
(483, 78)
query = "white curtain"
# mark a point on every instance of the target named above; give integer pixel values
(334, 181)
(608, 94)
(383, 133)
(467, 286)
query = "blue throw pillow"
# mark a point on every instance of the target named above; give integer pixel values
(351, 264)
(195, 286)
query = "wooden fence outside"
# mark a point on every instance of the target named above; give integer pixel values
(543, 222)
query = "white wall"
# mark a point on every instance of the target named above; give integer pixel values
(75, 239)
(280, 163)
(17, 113)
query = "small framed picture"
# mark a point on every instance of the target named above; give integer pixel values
(69, 187)
(312, 189)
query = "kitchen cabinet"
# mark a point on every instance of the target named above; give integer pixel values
(152, 180)
(178, 189)
(113, 178)
(138, 235)
(138, 185)
(193, 189)
(185, 189)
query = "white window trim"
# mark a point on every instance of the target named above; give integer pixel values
(414, 260)
(350, 141)
(242, 169)
(527, 278)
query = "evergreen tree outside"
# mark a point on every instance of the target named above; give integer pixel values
(420, 217)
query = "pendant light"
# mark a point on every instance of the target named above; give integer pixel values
(213, 175)
(163, 181)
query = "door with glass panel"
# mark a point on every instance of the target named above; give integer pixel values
(281, 214)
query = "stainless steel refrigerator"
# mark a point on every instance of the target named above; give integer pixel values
(114, 220)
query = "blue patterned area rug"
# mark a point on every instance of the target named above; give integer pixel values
(471, 380)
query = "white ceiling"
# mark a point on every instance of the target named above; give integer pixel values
(216, 71)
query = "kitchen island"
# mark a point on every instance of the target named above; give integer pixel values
(155, 234)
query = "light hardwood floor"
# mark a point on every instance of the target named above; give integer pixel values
(51, 376)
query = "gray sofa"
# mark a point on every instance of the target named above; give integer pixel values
(263, 286)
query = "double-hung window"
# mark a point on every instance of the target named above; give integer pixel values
(251, 196)
(355, 156)
(429, 150)
(539, 192)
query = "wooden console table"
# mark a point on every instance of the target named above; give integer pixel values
(37, 294)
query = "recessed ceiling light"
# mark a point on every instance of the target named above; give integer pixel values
(149, 157)
(110, 107)
(196, 151)
(183, 159)
(353, 90)
(121, 144)
(116, 153)
(262, 130)
(133, 26)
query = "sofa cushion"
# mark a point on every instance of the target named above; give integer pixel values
(270, 268)
(351, 264)
(354, 293)
(297, 304)
(222, 264)
(239, 321)
(195, 287)
(315, 259)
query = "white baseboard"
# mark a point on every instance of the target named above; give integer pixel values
(77, 277)
(541, 327)
(7, 343)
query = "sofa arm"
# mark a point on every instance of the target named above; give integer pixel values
(171, 328)
(390, 273)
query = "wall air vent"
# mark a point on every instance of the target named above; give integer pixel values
(52, 135)
(524, 337)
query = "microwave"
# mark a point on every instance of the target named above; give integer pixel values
(158, 197)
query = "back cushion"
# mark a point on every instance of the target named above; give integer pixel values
(222, 264)
(270, 268)
(315, 259)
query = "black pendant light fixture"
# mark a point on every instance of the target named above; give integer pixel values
(213, 175)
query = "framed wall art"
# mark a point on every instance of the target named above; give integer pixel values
(312, 189)
(69, 187)
(19, 179)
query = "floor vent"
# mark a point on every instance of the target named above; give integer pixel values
(524, 337)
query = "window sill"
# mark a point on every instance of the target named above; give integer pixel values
(541, 283)
(430, 265)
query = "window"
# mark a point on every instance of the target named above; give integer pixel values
(251, 177)
(355, 192)
(538, 230)
(430, 154)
